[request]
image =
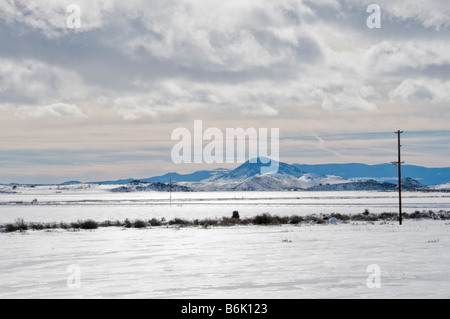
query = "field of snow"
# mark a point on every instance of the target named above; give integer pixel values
(309, 261)
(320, 261)
(71, 203)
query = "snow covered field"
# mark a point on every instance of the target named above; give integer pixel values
(321, 261)
(308, 261)
(71, 203)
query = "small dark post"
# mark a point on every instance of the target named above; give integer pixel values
(399, 164)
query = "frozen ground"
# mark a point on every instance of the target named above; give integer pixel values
(71, 203)
(321, 261)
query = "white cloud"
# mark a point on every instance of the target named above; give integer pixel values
(50, 16)
(251, 57)
(32, 88)
(53, 110)
(431, 14)
(391, 57)
(335, 4)
(37, 80)
(421, 90)
(345, 97)
(222, 35)
(170, 96)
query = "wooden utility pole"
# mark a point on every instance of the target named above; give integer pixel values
(399, 164)
(170, 192)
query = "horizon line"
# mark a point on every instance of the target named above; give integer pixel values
(215, 169)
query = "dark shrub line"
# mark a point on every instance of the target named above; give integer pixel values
(235, 220)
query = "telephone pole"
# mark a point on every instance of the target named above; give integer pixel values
(170, 192)
(399, 164)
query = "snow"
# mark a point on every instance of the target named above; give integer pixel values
(441, 187)
(71, 203)
(311, 180)
(334, 220)
(320, 261)
(307, 261)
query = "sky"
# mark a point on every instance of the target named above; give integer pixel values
(100, 100)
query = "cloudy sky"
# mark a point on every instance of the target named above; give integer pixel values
(101, 101)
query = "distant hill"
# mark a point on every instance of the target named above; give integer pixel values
(248, 177)
(269, 182)
(372, 185)
(249, 169)
(193, 177)
(138, 186)
(116, 182)
(381, 172)
(70, 183)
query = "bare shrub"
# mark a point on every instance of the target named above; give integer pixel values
(88, 224)
(265, 219)
(138, 223)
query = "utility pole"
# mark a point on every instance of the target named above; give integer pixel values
(399, 164)
(170, 192)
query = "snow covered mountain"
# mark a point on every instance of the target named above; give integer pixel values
(381, 172)
(296, 176)
(279, 182)
(250, 169)
(409, 183)
(269, 182)
(441, 187)
(371, 185)
(248, 177)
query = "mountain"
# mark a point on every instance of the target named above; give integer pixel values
(70, 183)
(371, 185)
(280, 182)
(116, 182)
(249, 177)
(381, 172)
(255, 167)
(409, 183)
(269, 182)
(166, 178)
(193, 177)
